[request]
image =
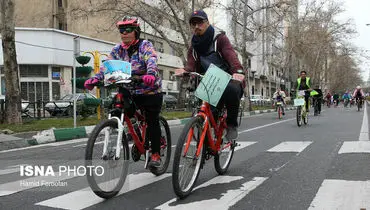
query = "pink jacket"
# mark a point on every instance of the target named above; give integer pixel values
(362, 93)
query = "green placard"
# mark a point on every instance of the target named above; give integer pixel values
(212, 85)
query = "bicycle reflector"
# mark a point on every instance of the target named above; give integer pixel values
(119, 101)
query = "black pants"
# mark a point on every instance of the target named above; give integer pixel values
(151, 104)
(318, 103)
(231, 99)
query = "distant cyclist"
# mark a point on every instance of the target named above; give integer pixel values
(358, 94)
(318, 99)
(304, 83)
(279, 96)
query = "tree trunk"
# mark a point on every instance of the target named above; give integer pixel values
(13, 106)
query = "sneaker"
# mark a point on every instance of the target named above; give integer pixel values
(155, 160)
(283, 113)
(232, 133)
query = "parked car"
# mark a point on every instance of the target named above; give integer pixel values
(24, 104)
(256, 98)
(64, 106)
(169, 101)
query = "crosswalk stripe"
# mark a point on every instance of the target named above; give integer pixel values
(342, 194)
(355, 147)
(290, 146)
(84, 198)
(244, 144)
(231, 197)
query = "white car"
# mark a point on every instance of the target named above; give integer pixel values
(24, 103)
(64, 106)
(256, 98)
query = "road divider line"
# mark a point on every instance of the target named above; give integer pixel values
(364, 133)
(264, 126)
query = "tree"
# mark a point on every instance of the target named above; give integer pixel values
(12, 96)
(246, 26)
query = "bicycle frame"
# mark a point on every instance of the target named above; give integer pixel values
(209, 123)
(124, 118)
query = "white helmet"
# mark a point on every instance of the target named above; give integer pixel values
(358, 87)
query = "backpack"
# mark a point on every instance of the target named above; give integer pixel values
(213, 56)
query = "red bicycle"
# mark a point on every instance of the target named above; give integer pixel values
(201, 138)
(110, 138)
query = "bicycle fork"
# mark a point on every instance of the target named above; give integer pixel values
(118, 142)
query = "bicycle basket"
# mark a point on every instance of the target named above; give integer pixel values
(116, 71)
(298, 102)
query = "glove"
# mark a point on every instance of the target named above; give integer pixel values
(90, 83)
(149, 80)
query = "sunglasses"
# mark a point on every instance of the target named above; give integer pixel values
(127, 29)
(197, 22)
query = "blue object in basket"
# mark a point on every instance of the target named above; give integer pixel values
(117, 65)
(116, 71)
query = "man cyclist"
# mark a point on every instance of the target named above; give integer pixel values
(328, 99)
(279, 96)
(358, 94)
(336, 99)
(209, 45)
(304, 83)
(143, 58)
(318, 99)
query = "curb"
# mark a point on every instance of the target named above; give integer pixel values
(65, 134)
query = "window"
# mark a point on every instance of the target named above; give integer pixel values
(172, 77)
(249, 63)
(33, 70)
(3, 89)
(252, 89)
(161, 73)
(33, 91)
(55, 73)
(159, 47)
(56, 90)
(60, 3)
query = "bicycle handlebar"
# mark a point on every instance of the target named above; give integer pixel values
(201, 76)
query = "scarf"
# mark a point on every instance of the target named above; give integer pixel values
(202, 43)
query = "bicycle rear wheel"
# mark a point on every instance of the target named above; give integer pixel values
(166, 145)
(186, 167)
(280, 115)
(115, 168)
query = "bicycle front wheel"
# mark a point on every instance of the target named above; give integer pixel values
(186, 165)
(101, 153)
(299, 116)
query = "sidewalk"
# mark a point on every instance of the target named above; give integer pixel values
(65, 134)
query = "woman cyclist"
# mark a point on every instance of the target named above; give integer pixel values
(143, 58)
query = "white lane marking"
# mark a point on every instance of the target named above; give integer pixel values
(364, 133)
(32, 182)
(290, 146)
(244, 144)
(355, 147)
(85, 197)
(230, 198)
(342, 194)
(264, 126)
